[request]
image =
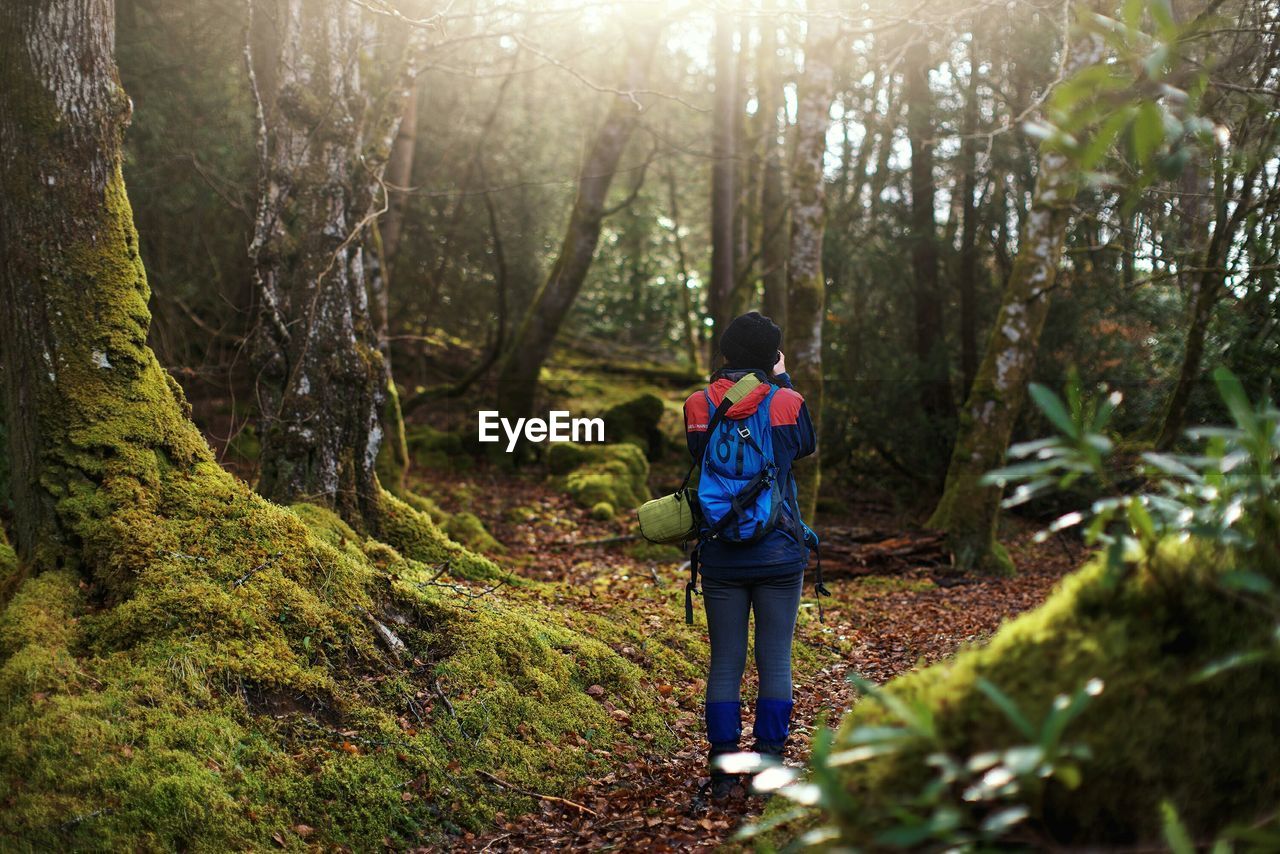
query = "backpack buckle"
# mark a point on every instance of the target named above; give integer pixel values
(744, 432)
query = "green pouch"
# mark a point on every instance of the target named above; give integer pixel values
(669, 519)
(673, 518)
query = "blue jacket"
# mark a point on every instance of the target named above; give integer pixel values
(780, 552)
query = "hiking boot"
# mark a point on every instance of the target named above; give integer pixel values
(723, 785)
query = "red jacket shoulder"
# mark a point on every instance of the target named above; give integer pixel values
(785, 408)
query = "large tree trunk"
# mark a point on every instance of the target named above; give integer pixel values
(968, 510)
(518, 377)
(774, 210)
(94, 421)
(930, 342)
(321, 383)
(806, 287)
(723, 173)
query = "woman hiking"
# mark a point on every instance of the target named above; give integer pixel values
(753, 546)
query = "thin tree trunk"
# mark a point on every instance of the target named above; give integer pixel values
(518, 377)
(688, 323)
(321, 383)
(95, 425)
(393, 458)
(968, 510)
(774, 210)
(723, 173)
(806, 286)
(1206, 290)
(930, 342)
(968, 266)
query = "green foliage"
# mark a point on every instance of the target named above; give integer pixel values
(970, 801)
(1145, 103)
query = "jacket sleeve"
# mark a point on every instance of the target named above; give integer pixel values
(696, 417)
(792, 425)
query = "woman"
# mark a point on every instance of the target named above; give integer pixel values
(764, 576)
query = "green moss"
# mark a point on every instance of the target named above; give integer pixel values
(423, 504)
(591, 474)
(467, 529)
(602, 512)
(417, 537)
(8, 569)
(1155, 732)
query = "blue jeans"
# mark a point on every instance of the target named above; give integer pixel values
(729, 605)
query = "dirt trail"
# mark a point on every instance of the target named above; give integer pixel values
(886, 616)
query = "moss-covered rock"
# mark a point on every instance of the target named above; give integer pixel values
(602, 512)
(592, 474)
(467, 529)
(636, 421)
(1155, 732)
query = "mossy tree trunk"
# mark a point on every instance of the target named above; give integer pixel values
(529, 348)
(94, 422)
(969, 511)
(324, 140)
(933, 368)
(806, 285)
(774, 211)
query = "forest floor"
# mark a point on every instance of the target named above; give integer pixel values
(890, 612)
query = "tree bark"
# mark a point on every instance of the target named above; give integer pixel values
(723, 173)
(774, 210)
(321, 380)
(806, 287)
(518, 376)
(95, 424)
(930, 341)
(968, 510)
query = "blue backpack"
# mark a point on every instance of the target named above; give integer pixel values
(736, 490)
(740, 499)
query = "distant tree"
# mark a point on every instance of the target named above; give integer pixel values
(724, 192)
(806, 286)
(928, 302)
(774, 210)
(530, 346)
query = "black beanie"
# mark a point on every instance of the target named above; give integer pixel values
(751, 341)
